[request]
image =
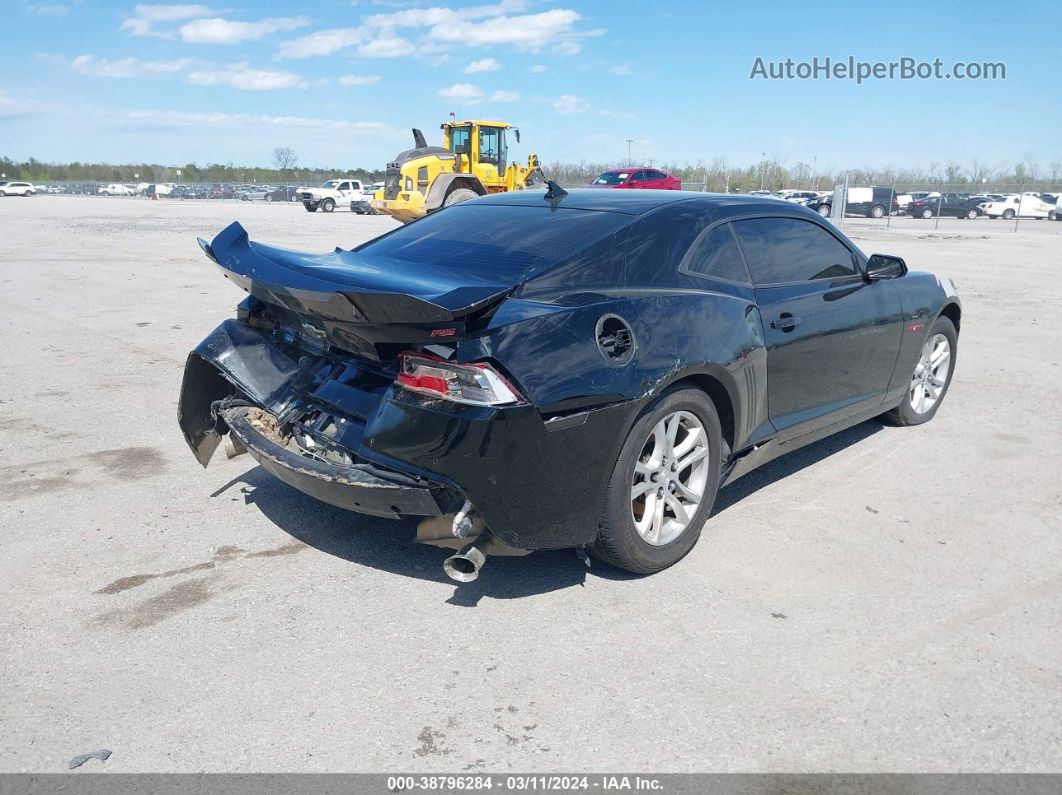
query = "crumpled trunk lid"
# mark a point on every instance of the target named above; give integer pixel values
(348, 301)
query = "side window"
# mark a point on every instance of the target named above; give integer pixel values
(638, 176)
(781, 250)
(716, 254)
(657, 175)
(659, 241)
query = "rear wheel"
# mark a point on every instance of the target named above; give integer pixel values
(927, 213)
(328, 206)
(663, 486)
(269, 197)
(931, 377)
(824, 210)
(1008, 215)
(877, 211)
(971, 214)
(459, 195)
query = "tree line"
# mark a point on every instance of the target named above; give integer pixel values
(718, 175)
(774, 174)
(33, 170)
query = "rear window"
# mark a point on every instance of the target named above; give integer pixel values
(496, 242)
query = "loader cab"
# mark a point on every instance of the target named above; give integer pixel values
(485, 144)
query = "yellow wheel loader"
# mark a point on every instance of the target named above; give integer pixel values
(471, 162)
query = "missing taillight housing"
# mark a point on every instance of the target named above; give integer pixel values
(476, 384)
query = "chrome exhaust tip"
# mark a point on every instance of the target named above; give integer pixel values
(467, 563)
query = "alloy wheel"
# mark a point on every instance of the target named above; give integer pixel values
(670, 477)
(931, 374)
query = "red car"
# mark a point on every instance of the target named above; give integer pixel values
(637, 178)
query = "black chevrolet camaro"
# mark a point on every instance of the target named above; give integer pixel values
(584, 369)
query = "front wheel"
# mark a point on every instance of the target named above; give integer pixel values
(663, 486)
(310, 208)
(459, 195)
(927, 213)
(877, 211)
(2, 194)
(931, 378)
(1008, 215)
(269, 197)
(824, 210)
(971, 214)
(328, 205)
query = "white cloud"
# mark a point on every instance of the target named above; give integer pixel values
(483, 65)
(528, 31)
(386, 47)
(463, 92)
(570, 103)
(227, 31)
(537, 68)
(146, 15)
(359, 80)
(504, 96)
(241, 76)
(122, 69)
(172, 118)
(323, 42)
(621, 69)
(439, 28)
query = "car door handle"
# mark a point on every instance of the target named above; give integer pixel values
(786, 322)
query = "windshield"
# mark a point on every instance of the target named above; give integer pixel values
(331, 183)
(611, 178)
(494, 243)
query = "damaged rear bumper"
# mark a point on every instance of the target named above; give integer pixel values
(359, 487)
(381, 450)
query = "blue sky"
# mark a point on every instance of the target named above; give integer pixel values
(343, 82)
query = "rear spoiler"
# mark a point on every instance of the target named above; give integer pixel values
(342, 287)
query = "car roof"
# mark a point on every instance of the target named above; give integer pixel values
(634, 202)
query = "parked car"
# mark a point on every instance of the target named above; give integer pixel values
(872, 202)
(254, 193)
(16, 188)
(644, 178)
(797, 196)
(1057, 215)
(330, 194)
(947, 205)
(160, 189)
(287, 193)
(458, 368)
(823, 205)
(763, 194)
(1023, 205)
(117, 189)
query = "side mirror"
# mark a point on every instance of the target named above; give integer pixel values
(885, 266)
(464, 149)
(516, 133)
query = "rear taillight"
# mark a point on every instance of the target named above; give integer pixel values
(477, 384)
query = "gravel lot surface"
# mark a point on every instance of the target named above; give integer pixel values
(885, 600)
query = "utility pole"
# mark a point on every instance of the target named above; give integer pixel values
(763, 167)
(629, 161)
(814, 168)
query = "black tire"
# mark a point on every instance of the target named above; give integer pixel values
(327, 206)
(294, 197)
(824, 210)
(310, 208)
(459, 195)
(904, 414)
(877, 211)
(618, 542)
(927, 213)
(1008, 215)
(269, 197)
(971, 214)
(2, 194)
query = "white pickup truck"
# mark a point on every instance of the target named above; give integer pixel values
(331, 193)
